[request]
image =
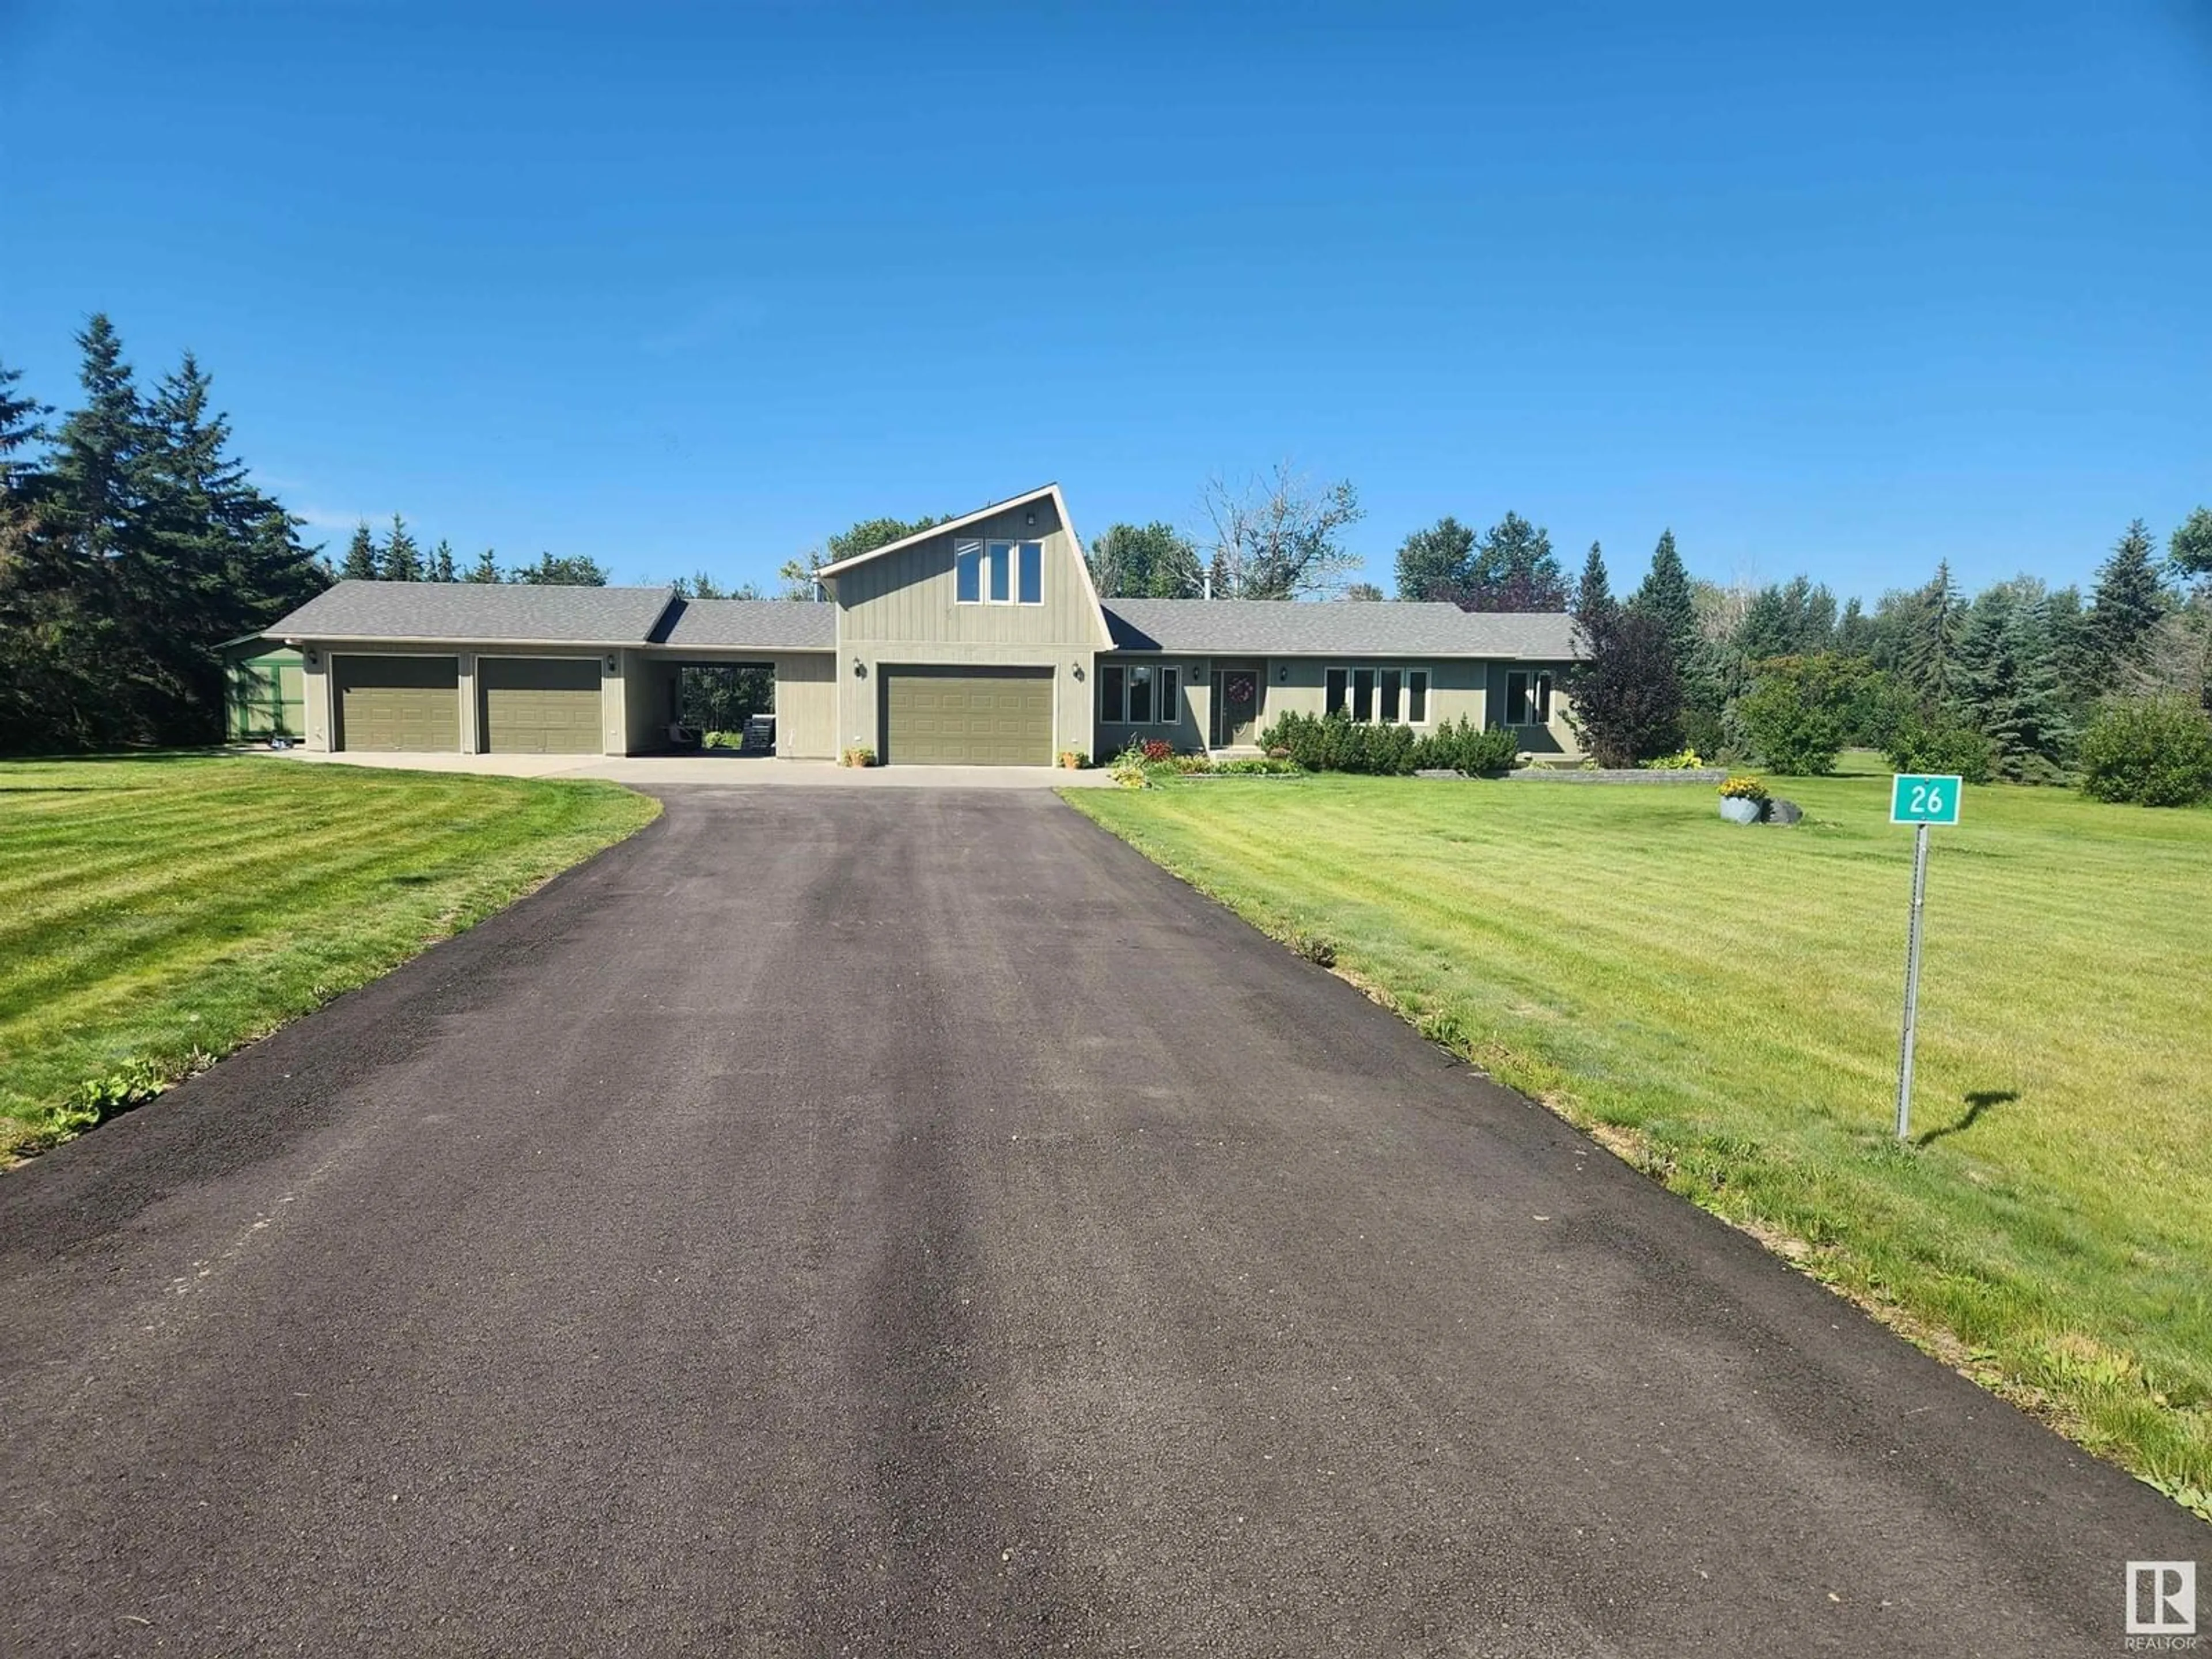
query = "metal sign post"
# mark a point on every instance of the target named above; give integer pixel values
(1918, 800)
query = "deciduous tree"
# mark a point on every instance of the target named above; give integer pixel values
(1278, 536)
(1152, 561)
(1626, 701)
(1437, 563)
(1514, 569)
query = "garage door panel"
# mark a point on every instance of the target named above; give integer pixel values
(541, 705)
(405, 704)
(967, 717)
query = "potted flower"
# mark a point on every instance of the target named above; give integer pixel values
(859, 754)
(1744, 800)
(1073, 760)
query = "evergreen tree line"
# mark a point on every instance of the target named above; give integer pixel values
(2005, 683)
(133, 544)
(397, 557)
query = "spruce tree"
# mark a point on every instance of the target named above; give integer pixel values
(361, 563)
(1855, 631)
(19, 425)
(2130, 602)
(402, 560)
(441, 568)
(485, 569)
(1928, 646)
(107, 556)
(1594, 606)
(2007, 685)
(1665, 596)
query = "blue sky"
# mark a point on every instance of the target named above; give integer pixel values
(1843, 289)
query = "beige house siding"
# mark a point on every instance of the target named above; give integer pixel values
(806, 706)
(901, 609)
(315, 684)
(909, 595)
(648, 684)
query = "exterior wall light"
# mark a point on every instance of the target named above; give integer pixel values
(1282, 673)
(612, 662)
(1075, 669)
(860, 669)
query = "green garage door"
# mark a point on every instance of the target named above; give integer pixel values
(541, 705)
(967, 717)
(407, 703)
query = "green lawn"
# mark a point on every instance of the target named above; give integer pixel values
(1721, 1006)
(158, 912)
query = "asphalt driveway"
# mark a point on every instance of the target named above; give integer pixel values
(908, 1222)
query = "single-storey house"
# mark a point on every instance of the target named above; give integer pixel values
(981, 641)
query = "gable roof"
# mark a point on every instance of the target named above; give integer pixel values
(1043, 492)
(960, 523)
(507, 611)
(1286, 628)
(727, 625)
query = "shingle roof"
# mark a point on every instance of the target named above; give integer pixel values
(1344, 627)
(724, 624)
(478, 610)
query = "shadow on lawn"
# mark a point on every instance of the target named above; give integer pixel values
(1978, 1101)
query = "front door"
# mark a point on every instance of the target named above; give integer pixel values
(1236, 722)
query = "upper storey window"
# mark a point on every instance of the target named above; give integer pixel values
(998, 572)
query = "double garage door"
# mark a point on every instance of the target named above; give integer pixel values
(528, 705)
(967, 716)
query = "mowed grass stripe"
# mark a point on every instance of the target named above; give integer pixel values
(255, 889)
(180, 893)
(64, 857)
(198, 877)
(1731, 997)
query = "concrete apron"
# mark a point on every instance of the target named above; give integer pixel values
(717, 770)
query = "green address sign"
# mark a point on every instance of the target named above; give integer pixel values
(1917, 798)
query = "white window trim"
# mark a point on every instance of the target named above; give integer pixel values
(1405, 673)
(1167, 703)
(982, 546)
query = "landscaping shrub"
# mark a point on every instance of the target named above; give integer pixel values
(1128, 769)
(1460, 745)
(1789, 725)
(1336, 742)
(1684, 760)
(1158, 751)
(1920, 745)
(2151, 751)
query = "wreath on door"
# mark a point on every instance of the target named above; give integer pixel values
(1239, 688)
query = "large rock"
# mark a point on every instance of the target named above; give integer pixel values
(1783, 812)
